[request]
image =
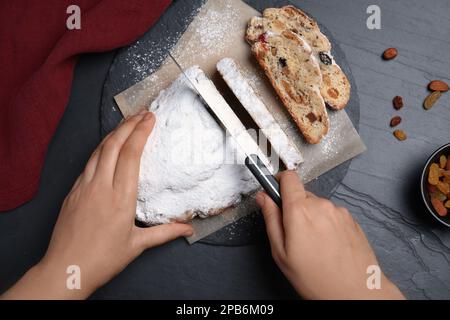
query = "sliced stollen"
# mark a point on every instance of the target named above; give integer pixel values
(280, 142)
(294, 72)
(335, 88)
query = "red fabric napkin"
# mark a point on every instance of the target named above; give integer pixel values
(37, 57)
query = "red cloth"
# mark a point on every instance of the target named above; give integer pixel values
(37, 57)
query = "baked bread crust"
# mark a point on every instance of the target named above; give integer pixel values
(294, 72)
(335, 88)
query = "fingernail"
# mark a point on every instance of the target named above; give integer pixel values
(143, 111)
(260, 199)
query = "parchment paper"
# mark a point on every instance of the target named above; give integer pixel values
(341, 144)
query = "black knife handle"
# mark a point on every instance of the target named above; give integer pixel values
(264, 177)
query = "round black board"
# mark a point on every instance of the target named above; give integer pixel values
(142, 58)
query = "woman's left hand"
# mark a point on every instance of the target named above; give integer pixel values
(95, 231)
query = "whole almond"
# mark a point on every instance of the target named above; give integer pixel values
(390, 53)
(395, 121)
(400, 135)
(398, 102)
(431, 99)
(438, 85)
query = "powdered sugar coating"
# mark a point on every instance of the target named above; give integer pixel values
(286, 150)
(184, 171)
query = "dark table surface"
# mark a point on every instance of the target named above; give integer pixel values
(381, 188)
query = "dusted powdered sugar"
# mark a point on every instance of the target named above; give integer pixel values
(281, 143)
(184, 169)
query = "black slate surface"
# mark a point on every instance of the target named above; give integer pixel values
(140, 59)
(381, 188)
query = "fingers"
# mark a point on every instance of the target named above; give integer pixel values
(311, 195)
(273, 220)
(293, 194)
(154, 236)
(91, 166)
(291, 187)
(128, 163)
(78, 181)
(111, 147)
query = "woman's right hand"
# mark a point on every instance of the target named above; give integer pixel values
(319, 247)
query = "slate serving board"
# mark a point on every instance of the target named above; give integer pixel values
(142, 58)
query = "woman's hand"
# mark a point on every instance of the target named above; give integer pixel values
(319, 247)
(95, 229)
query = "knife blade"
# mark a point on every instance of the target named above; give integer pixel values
(225, 116)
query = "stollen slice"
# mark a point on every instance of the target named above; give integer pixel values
(294, 72)
(281, 144)
(335, 88)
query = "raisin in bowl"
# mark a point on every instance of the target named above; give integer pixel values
(431, 191)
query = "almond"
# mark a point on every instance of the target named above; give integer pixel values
(395, 121)
(390, 53)
(398, 102)
(438, 85)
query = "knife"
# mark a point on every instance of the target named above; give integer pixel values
(226, 117)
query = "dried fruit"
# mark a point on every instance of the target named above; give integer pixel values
(282, 62)
(447, 204)
(398, 102)
(446, 175)
(432, 188)
(390, 53)
(438, 85)
(400, 135)
(311, 117)
(439, 207)
(395, 121)
(438, 188)
(434, 174)
(438, 195)
(326, 60)
(442, 161)
(263, 38)
(431, 99)
(443, 187)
